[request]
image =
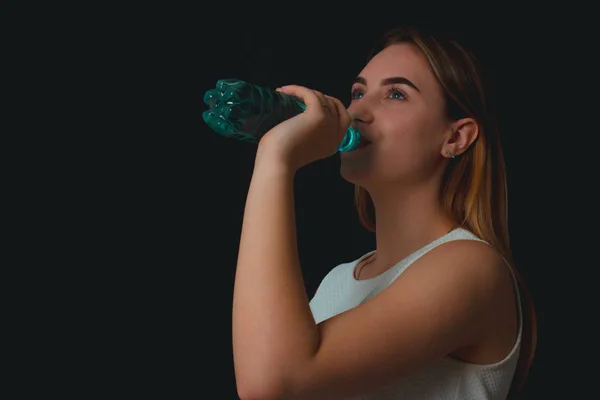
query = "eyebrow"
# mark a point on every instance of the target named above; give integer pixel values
(389, 81)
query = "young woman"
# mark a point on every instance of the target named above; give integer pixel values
(437, 310)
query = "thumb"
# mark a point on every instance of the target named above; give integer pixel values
(307, 96)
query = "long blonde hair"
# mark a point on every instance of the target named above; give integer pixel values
(474, 188)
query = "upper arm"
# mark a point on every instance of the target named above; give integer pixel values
(439, 304)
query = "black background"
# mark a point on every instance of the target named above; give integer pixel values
(158, 225)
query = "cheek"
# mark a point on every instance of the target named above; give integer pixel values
(405, 150)
(397, 157)
(407, 147)
(403, 137)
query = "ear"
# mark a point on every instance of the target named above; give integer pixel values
(462, 134)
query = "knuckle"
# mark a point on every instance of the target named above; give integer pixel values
(321, 114)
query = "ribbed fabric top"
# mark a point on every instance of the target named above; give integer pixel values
(445, 379)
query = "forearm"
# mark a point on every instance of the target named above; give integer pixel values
(273, 328)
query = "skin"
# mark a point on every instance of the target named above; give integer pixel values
(455, 301)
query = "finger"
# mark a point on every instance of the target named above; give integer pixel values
(342, 112)
(331, 106)
(306, 95)
(327, 103)
(317, 101)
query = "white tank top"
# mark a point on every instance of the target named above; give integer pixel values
(445, 379)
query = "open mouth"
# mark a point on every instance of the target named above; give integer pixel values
(363, 143)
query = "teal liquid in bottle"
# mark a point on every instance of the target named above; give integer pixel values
(244, 111)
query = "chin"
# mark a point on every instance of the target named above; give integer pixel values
(359, 167)
(355, 174)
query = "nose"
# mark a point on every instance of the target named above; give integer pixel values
(360, 112)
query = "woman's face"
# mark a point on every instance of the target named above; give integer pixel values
(397, 105)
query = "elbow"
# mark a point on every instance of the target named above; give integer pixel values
(259, 394)
(269, 381)
(260, 389)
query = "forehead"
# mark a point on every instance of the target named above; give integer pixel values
(402, 59)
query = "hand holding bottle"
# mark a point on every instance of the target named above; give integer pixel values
(245, 111)
(310, 136)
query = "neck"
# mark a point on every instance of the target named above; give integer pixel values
(407, 220)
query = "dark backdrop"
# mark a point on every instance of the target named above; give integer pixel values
(170, 192)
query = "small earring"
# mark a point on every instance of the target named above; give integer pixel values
(449, 153)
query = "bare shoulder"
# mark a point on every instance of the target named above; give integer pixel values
(471, 272)
(473, 261)
(483, 287)
(459, 278)
(447, 303)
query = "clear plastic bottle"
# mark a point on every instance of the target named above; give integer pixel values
(246, 112)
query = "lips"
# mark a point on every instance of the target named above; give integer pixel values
(363, 143)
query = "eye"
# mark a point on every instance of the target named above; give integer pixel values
(396, 94)
(393, 93)
(356, 94)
